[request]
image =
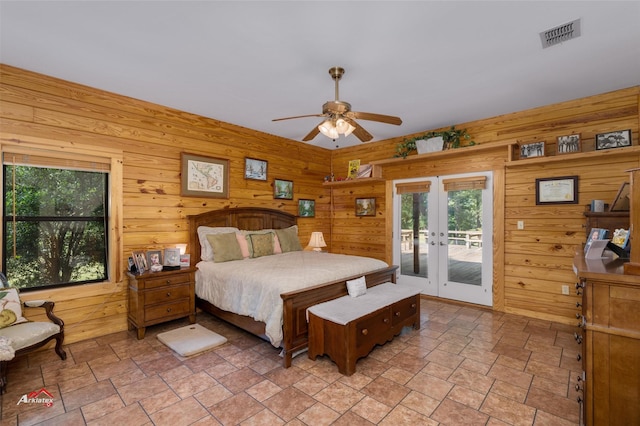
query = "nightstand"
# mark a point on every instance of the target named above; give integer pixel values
(157, 297)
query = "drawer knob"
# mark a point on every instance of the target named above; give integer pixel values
(579, 400)
(578, 304)
(386, 320)
(397, 314)
(168, 294)
(168, 309)
(413, 305)
(168, 281)
(365, 331)
(579, 357)
(578, 337)
(578, 388)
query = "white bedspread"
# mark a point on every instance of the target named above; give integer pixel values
(252, 287)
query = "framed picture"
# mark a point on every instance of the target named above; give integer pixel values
(365, 206)
(185, 260)
(595, 234)
(568, 144)
(154, 260)
(620, 238)
(557, 190)
(282, 189)
(354, 166)
(306, 208)
(365, 171)
(255, 169)
(622, 203)
(204, 176)
(171, 257)
(533, 149)
(140, 261)
(616, 139)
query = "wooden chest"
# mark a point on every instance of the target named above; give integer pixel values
(362, 325)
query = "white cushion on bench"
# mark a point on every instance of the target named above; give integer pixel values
(346, 308)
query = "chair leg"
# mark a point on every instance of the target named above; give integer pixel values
(61, 353)
(3, 377)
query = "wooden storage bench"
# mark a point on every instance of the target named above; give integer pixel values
(348, 328)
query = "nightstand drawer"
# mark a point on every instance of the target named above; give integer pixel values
(167, 280)
(167, 294)
(167, 310)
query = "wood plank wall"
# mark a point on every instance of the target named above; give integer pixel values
(530, 265)
(151, 138)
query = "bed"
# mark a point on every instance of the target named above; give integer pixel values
(294, 302)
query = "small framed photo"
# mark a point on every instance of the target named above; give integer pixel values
(354, 166)
(154, 260)
(595, 234)
(140, 261)
(557, 190)
(171, 257)
(617, 139)
(365, 206)
(185, 260)
(255, 169)
(622, 202)
(204, 176)
(568, 144)
(531, 150)
(306, 208)
(365, 171)
(282, 189)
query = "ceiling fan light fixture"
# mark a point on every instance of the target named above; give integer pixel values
(328, 129)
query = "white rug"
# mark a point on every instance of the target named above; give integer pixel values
(191, 339)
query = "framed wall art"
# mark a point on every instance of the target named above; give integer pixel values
(204, 176)
(557, 190)
(568, 144)
(282, 189)
(354, 166)
(306, 208)
(365, 206)
(255, 169)
(531, 150)
(617, 139)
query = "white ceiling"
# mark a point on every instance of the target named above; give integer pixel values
(431, 63)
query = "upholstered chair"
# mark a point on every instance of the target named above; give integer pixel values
(19, 336)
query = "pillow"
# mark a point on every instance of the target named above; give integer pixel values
(288, 238)
(10, 308)
(262, 244)
(247, 235)
(205, 248)
(357, 287)
(244, 245)
(225, 247)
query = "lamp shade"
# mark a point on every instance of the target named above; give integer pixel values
(317, 241)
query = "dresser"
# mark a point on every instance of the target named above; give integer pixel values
(156, 297)
(609, 320)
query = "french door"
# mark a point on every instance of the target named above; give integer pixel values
(443, 235)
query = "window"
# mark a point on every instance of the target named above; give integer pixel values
(58, 229)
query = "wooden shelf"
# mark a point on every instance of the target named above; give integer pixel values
(361, 181)
(616, 152)
(440, 154)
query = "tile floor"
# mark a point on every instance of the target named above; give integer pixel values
(465, 366)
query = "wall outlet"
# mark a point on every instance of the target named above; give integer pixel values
(565, 289)
(521, 224)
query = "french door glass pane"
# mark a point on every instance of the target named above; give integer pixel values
(465, 236)
(414, 240)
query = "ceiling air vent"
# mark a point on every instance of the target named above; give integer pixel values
(560, 33)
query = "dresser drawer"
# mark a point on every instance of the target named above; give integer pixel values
(404, 309)
(166, 294)
(167, 280)
(167, 310)
(370, 328)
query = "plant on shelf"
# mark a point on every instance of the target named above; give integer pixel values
(451, 139)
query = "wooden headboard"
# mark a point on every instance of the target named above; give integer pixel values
(245, 218)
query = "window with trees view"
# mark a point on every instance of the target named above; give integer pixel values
(55, 225)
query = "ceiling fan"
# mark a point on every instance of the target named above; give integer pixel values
(339, 119)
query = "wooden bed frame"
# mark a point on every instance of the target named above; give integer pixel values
(295, 303)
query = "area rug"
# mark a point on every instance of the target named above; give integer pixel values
(191, 339)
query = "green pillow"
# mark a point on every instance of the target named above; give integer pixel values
(289, 239)
(262, 244)
(225, 247)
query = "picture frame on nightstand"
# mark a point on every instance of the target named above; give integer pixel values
(172, 257)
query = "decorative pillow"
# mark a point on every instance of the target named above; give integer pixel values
(247, 235)
(225, 247)
(10, 308)
(206, 253)
(262, 244)
(357, 287)
(288, 238)
(244, 245)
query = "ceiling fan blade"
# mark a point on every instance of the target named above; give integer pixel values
(389, 119)
(359, 131)
(298, 116)
(312, 134)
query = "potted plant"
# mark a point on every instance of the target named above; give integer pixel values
(450, 139)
